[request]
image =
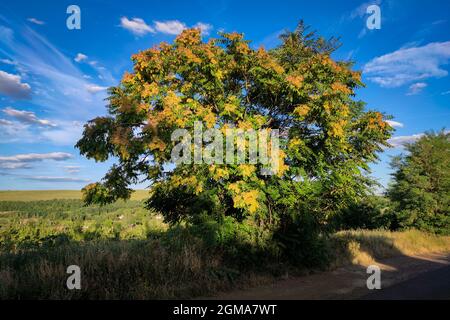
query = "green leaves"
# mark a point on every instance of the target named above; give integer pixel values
(297, 88)
(421, 188)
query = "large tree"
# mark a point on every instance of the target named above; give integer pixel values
(327, 137)
(420, 190)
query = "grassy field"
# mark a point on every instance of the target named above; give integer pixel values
(37, 195)
(128, 252)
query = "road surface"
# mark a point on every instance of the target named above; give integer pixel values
(425, 276)
(429, 285)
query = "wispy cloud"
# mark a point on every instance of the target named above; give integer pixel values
(67, 134)
(72, 169)
(54, 179)
(4, 122)
(416, 88)
(27, 117)
(361, 10)
(12, 86)
(23, 161)
(14, 165)
(407, 65)
(7, 61)
(63, 133)
(33, 157)
(58, 83)
(36, 21)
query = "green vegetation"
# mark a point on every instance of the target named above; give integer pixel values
(328, 139)
(420, 192)
(205, 227)
(126, 252)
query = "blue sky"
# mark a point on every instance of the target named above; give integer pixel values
(53, 79)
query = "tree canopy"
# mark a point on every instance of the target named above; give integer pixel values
(327, 140)
(420, 191)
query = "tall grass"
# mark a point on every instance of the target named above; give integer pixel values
(364, 247)
(126, 252)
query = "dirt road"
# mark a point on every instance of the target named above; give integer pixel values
(350, 282)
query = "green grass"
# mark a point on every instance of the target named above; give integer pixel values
(37, 195)
(127, 252)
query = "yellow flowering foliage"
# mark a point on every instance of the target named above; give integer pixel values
(295, 80)
(302, 110)
(341, 88)
(376, 122)
(246, 170)
(296, 88)
(150, 90)
(190, 182)
(337, 129)
(247, 200)
(218, 173)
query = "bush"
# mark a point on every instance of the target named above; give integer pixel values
(371, 212)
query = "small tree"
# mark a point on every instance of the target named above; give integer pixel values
(327, 142)
(420, 191)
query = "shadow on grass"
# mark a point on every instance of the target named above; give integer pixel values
(166, 265)
(171, 265)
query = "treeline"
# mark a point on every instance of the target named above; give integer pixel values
(418, 196)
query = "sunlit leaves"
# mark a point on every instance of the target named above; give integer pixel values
(327, 137)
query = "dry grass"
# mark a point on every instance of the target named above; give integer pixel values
(37, 195)
(364, 247)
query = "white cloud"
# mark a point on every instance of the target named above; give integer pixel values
(204, 27)
(4, 122)
(64, 133)
(27, 117)
(80, 57)
(93, 88)
(36, 21)
(33, 157)
(411, 64)
(55, 179)
(136, 25)
(58, 83)
(445, 93)
(173, 27)
(67, 134)
(14, 165)
(72, 169)
(12, 86)
(400, 141)
(395, 124)
(416, 88)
